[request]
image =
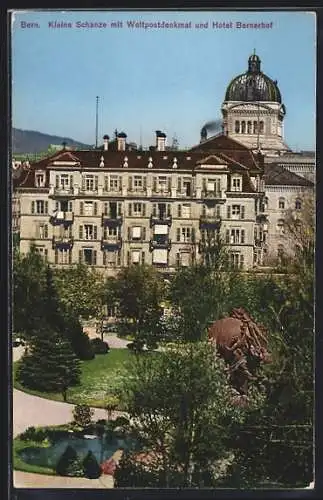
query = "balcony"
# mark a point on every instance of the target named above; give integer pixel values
(160, 219)
(111, 243)
(261, 217)
(218, 196)
(63, 242)
(259, 243)
(161, 193)
(61, 191)
(209, 222)
(111, 220)
(62, 218)
(162, 244)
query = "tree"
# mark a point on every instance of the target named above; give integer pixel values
(180, 408)
(49, 365)
(69, 464)
(91, 467)
(29, 283)
(82, 415)
(81, 290)
(139, 291)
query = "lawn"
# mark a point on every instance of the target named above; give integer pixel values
(99, 376)
(19, 464)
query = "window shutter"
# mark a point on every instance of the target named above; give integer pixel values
(56, 206)
(104, 257)
(95, 208)
(218, 211)
(95, 232)
(179, 184)
(56, 256)
(46, 253)
(144, 210)
(144, 183)
(227, 236)
(71, 181)
(130, 183)
(169, 208)
(45, 231)
(228, 212)
(142, 257)
(128, 258)
(179, 211)
(106, 183)
(94, 257)
(83, 182)
(70, 206)
(32, 207)
(120, 183)
(57, 181)
(81, 208)
(129, 233)
(154, 184)
(81, 232)
(193, 235)
(154, 210)
(96, 183)
(143, 233)
(80, 256)
(119, 209)
(46, 207)
(242, 211)
(129, 209)
(70, 256)
(242, 235)
(178, 234)
(169, 183)
(204, 185)
(106, 207)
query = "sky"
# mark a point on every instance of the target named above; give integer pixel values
(155, 78)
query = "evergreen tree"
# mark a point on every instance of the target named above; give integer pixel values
(49, 364)
(69, 464)
(91, 467)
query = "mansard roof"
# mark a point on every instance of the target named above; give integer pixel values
(277, 175)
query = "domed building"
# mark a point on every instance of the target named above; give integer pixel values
(253, 112)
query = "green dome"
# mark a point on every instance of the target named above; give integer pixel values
(253, 85)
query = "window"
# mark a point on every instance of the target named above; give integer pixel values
(90, 208)
(88, 232)
(135, 256)
(236, 184)
(137, 183)
(235, 236)
(90, 182)
(88, 256)
(114, 183)
(110, 258)
(39, 180)
(187, 184)
(162, 183)
(185, 259)
(63, 256)
(186, 211)
(42, 232)
(237, 212)
(237, 127)
(255, 127)
(42, 251)
(160, 256)
(243, 127)
(249, 127)
(236, 260)
(136, 233)
(261, 127)
(281, 226)
(298, 205)
(281, 203)
(185, 234)
(138, 209)
(64, 181)
(41, 207)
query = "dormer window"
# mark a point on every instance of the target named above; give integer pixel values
(236, 184)
(40, 179)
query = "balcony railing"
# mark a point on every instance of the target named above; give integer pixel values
(62, 241)
(161, 193)
(259, 243)
(62, 218)
(111, 243)
(160, 219)
(209, 222)
(111, 220)
(61, 191)
(163, 244)
(212, 195)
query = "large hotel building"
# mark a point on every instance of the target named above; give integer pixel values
(116, 205)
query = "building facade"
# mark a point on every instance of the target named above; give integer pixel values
(113, 207)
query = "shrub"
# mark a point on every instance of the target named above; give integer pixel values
(99, 346)
(69, 464)
(91, 467)
(82, 415)
(80, 341)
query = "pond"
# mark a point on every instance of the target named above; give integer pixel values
(101, 448)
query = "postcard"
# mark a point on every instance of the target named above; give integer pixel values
(163, 220)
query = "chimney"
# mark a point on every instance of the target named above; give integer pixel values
(106, 142)
(160, 140)
(121, 138)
